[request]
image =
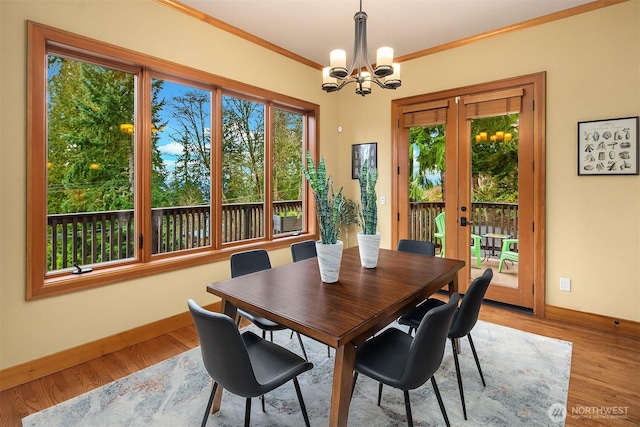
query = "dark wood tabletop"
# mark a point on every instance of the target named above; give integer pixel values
(341, 314)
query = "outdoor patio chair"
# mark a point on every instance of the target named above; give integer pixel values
(475, 240)
(507, 253)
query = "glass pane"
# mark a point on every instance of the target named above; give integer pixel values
(287, 171)
(243, 169)
(181, 162)
(494, 197)
(426, 183)
(90, 164)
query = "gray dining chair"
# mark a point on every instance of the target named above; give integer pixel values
(248, 262)
(417, 247)
(401, 361)
(301, 251)
(244, 364)
(465, 319)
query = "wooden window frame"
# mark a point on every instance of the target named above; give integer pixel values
(43, 40)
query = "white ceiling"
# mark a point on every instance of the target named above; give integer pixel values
(312, 28)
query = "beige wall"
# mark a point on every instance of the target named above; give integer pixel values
(593, 72)
(595, 240)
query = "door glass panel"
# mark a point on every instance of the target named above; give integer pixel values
(181, 160)
(494, 196)
(427, 180)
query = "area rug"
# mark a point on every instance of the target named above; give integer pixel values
(527, 380)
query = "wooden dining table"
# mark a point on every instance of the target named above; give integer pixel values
(343, 314)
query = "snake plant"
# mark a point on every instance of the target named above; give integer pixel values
(369, 212)
(328, 203)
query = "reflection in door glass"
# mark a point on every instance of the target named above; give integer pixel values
(426, 182)
(494, 195)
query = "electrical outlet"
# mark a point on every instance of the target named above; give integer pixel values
(383, 200)
(565, 284)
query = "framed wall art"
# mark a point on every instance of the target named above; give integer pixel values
(360, 153)
(608, 147)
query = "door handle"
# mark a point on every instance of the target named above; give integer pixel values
(464, 222)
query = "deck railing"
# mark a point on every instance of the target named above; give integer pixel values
(97, 237)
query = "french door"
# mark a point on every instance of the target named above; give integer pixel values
(476, 156)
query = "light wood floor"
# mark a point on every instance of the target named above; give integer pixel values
(605, 371)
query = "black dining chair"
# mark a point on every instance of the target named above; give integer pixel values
(248, 262)
(244, 364)
(301, 251)
(417, 247)
(401, 361)
(465, 319)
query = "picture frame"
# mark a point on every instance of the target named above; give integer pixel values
(608, 147)
(360, 153)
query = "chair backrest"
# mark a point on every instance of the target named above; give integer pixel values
(417, 247)
(303, 250)
(440, 222)
(249, 262)
(224, 352)
(427, 349)
(467, 315)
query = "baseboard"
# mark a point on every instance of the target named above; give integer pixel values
(595, 321)
(21, 374)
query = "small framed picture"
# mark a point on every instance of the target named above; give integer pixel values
(360, 153)
(608, 147)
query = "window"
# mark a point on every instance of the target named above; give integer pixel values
(137, 165)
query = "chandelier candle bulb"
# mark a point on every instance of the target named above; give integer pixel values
(384, 61)
(328, 83)
(365, 85)
(338, 59)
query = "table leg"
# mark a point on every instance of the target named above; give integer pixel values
(342, 381)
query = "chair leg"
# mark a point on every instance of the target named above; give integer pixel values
(475, 356)
(457, 363)
(444, 411)
(379, 393)
(407, 405)
(262, 401)
(353, 384)
(302, 347)
(302, 407)
(206, 412)
(271, 335)
(328, 352)
(247, 412)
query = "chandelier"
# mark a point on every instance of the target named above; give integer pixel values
(386, 73)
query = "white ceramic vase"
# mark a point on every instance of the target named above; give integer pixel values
(329, 257)
(369, 244)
